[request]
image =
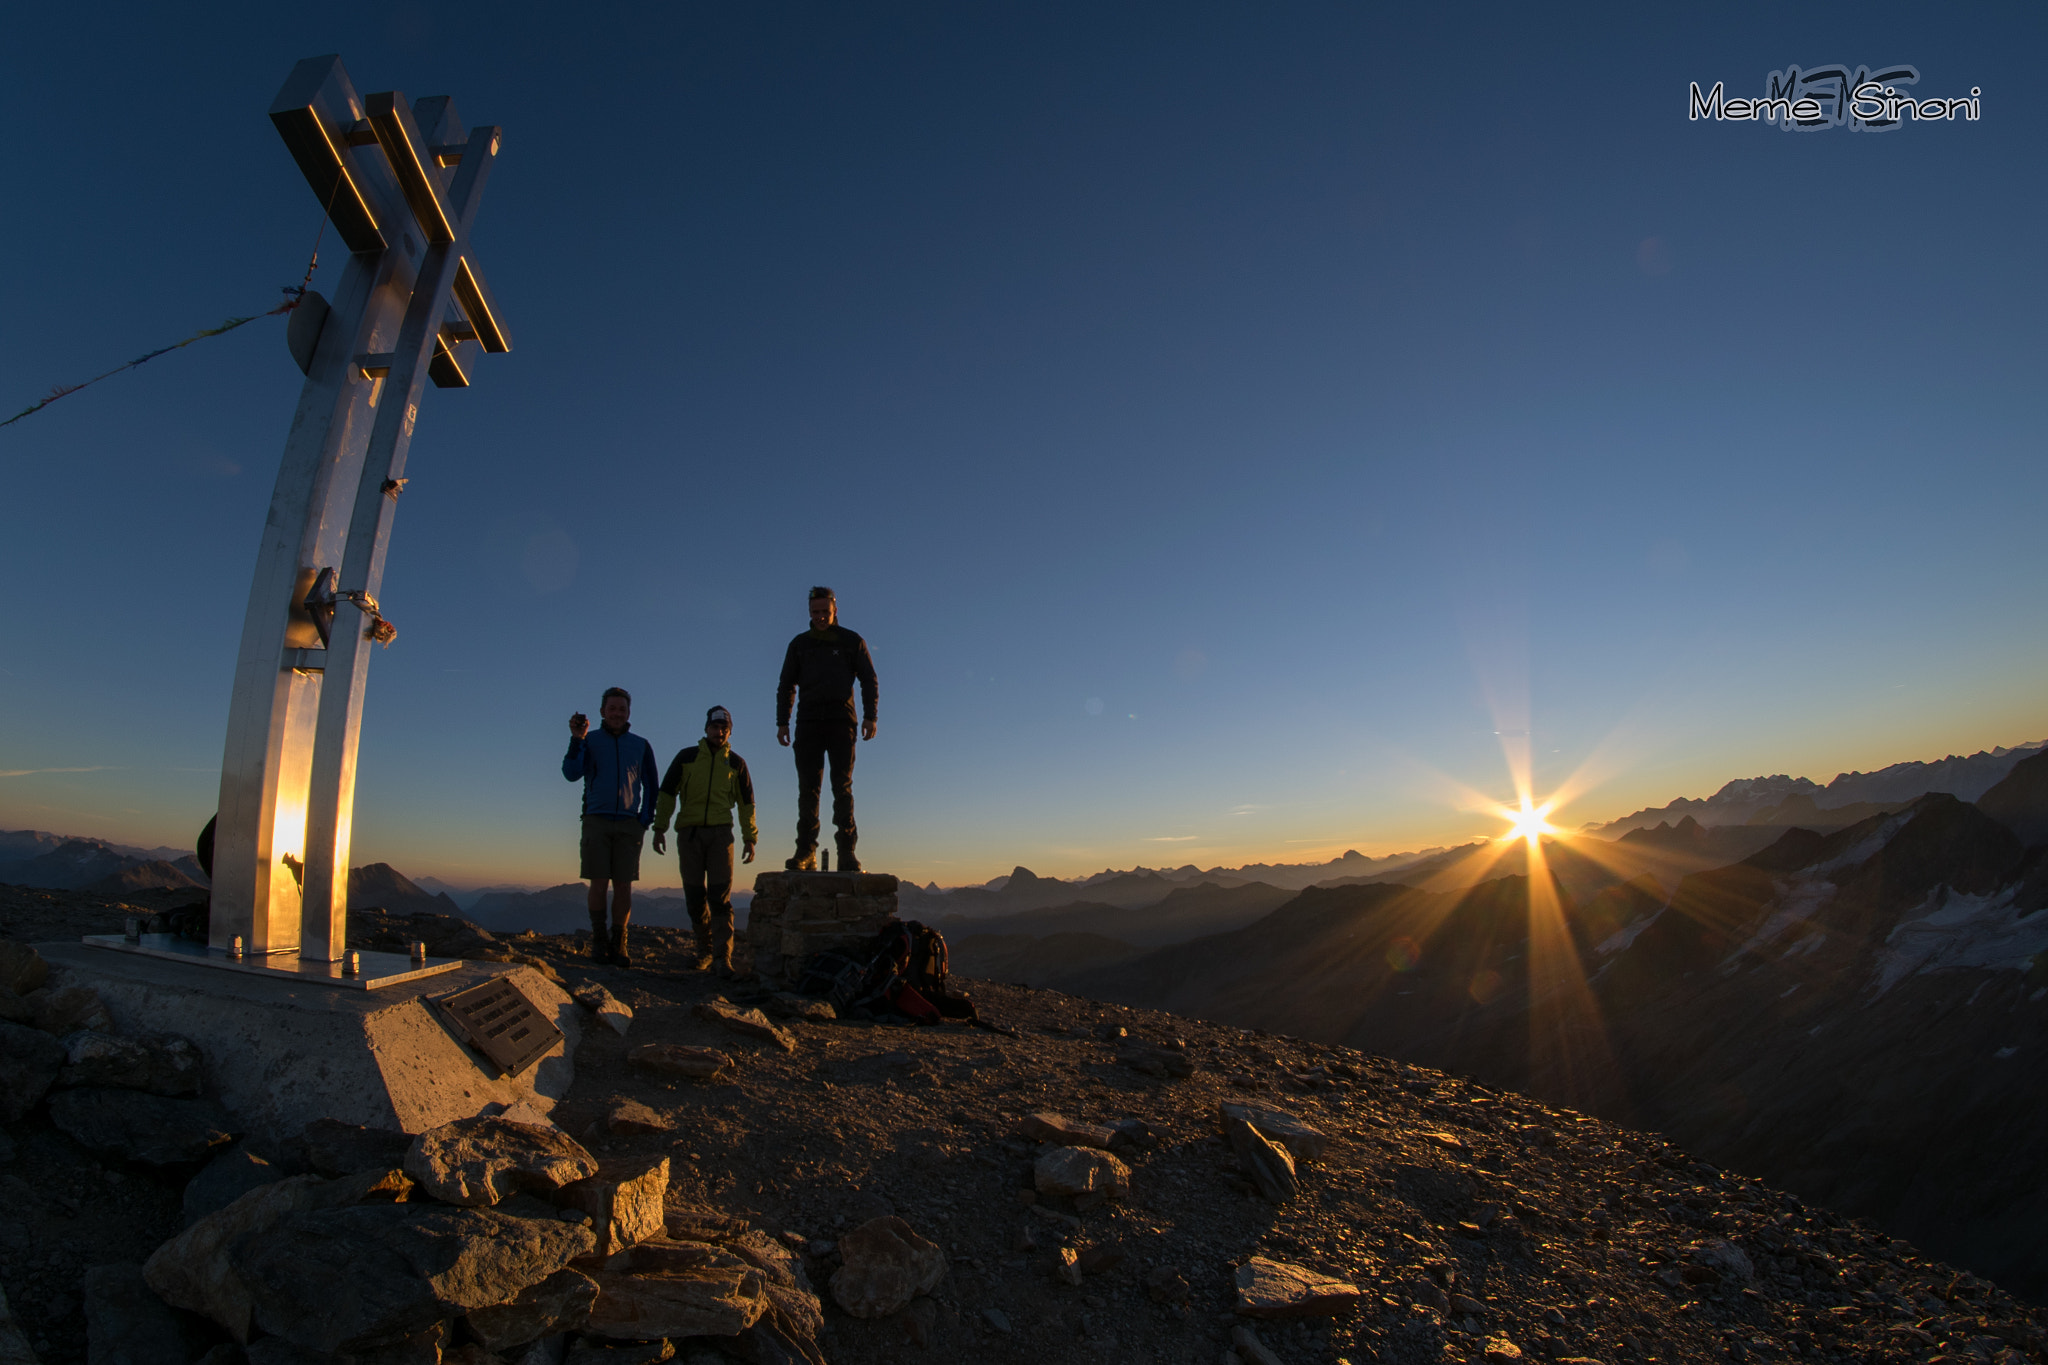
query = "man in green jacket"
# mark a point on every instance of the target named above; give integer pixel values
(700, 789)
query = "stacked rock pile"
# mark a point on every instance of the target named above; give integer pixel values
(490, 1241)
(132, 1096)
(796, 914)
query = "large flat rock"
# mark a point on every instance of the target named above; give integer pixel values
(280, 1054)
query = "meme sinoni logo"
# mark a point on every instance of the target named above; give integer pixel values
(1863, 99)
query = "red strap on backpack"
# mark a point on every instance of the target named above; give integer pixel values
(916, 1006)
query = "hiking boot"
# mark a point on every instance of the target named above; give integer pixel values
(619, 957)
(847, 862)
(600, 951)
(725, 971)
(802, 862)
(701, 962)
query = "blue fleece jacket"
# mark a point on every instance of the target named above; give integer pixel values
(618, 772)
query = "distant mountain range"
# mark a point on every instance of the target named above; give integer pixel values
(32, 858)
(1796, 800)
(1859, 1015)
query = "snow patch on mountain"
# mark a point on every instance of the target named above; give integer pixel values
(1951, 930)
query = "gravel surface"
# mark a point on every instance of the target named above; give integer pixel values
(1477, 1224)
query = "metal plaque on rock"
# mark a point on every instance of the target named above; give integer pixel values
(502, 1023)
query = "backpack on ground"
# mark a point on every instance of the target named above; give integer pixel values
(834, 977)
(901, 970)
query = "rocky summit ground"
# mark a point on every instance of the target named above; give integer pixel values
(1474, 1224)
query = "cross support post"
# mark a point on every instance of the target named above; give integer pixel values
(401, 184)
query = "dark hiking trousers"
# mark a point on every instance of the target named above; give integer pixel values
(813, 747)
(705, 852)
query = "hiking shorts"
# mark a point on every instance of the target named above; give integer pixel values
(611, 848)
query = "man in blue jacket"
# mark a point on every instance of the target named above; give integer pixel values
(619, 781)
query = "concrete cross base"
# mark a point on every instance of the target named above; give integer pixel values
(279, 1055)
(795, 914)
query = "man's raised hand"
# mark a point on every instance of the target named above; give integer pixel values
(579, 725)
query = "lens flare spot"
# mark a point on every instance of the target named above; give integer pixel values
(1404, 955)
(1485, 986)
(1527, 823)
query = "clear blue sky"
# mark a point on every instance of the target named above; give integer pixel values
(1219, 419)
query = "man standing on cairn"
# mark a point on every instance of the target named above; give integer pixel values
(700, 789)
(617, 768)
(824, 663)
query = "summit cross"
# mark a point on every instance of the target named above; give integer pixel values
(401, 185)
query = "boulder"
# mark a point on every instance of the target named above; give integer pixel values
(559, 1303)
(750, 1023)
(668, 1256)
(127, 1324)
(1156, 1061)
(629, 1117)
(785, 1334)
(1730, 1260)
(596, 1351)
(1132, 1133)
(798, 1311)
(884, 1265)
(22, 969)
(1268, 1163)
(478, 1161)
(341, 1279)
(132, 1124)
(680, 1062)
(69, 1009)
(781, 1265)
(787, 1005)
(714, 1301)
(14, 1347)
(1045, 1126)
(373, 1187)
(160, 1063)
(1080, 1171)
(191, 1270)
(1250, 1349)
(1274, 1289)
(1167, 1285)
(547, 1351)
(696, 1223)
(428, 1346)
(624, 1201)
(225, 1179)
(336, 1148)
(30, 1061)
(1303, 1141)
(606, 1006)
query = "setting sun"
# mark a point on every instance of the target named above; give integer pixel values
(1528, 822)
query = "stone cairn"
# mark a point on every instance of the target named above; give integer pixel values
(795, 914)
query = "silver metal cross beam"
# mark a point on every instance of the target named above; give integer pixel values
(401, 184)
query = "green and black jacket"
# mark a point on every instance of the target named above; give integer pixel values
(701, 788)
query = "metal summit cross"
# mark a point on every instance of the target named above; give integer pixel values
(400, 184)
